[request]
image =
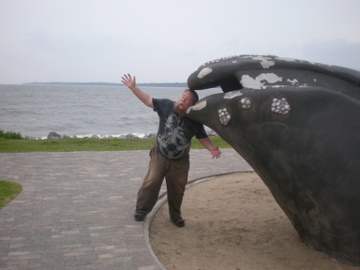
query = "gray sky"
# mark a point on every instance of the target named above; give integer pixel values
(164, 40)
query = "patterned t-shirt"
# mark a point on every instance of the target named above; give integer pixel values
(174, 134)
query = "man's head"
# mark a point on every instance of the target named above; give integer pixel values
(188, 99)
(195, 95)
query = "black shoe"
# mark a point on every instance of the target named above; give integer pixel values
(139, 216)
(179, 222)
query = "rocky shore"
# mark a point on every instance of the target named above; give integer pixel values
(54, 136)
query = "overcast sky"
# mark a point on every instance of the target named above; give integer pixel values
(166, 40)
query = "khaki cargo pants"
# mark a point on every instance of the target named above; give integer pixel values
(175, 173)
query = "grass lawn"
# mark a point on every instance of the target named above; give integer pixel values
(73, 145)
(8, 191)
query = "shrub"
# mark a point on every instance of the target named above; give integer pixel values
(11, 135)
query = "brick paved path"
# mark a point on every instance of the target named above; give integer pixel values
(76, 208)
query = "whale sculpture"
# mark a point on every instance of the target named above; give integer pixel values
(298, 125)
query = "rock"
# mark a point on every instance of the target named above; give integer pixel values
(150, 135)
(130, 136)
(53, 136)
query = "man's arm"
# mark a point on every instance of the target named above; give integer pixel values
(131, 83)
(214, 150)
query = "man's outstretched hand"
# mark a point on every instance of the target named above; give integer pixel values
(215, 152)
(128, 80)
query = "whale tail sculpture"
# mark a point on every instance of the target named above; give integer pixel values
(298, 125)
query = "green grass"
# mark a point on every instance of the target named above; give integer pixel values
(11, 143)
(73, 145)
(8, 191)
(11, 135)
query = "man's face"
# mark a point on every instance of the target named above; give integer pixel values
(185, 101)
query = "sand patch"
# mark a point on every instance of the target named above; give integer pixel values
(233, 222)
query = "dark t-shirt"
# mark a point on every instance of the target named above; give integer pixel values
(174, 134)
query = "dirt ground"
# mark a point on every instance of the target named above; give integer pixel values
(233, 222)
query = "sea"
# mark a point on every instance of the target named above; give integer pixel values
(81, 111)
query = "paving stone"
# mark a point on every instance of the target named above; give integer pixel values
(76, 208)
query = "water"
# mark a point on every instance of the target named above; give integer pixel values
(72, 110)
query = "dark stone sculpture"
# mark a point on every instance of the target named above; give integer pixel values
(298, 125)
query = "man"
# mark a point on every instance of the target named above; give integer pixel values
(170, 155)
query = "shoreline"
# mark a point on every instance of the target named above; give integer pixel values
(54, 135)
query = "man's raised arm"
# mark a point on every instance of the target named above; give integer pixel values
(142, 96)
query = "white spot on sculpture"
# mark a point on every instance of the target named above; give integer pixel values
(293, 82)
(280, 106)
(286, 59)
(224, 116)
(245, 103)
(265, 62)
(204, 72)
(259, 82)
(197, 107)
(232, 94)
